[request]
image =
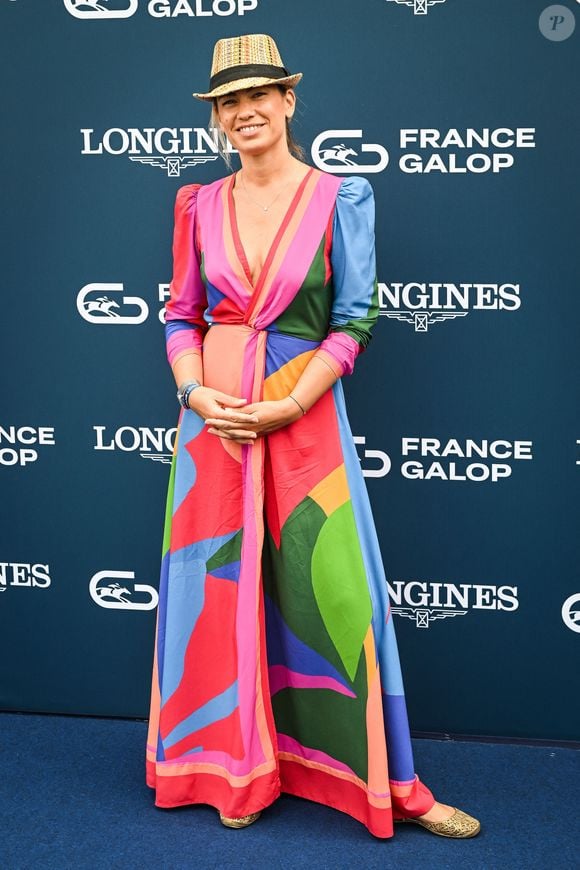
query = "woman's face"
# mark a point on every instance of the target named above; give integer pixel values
(254, 119)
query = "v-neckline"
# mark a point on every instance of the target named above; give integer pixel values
(240, 251)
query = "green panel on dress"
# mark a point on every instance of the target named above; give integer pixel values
(288, 579)
(230, 552)
(169, 507)
(325, 720)
(310, 308)
(340, 585)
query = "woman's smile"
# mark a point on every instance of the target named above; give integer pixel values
(249, 129)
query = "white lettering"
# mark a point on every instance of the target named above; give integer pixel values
(131, 438)
(484, 598)
(20, 574)
(498, 449)
(475, 472)
(199, 8)
(87, 143)
(506, 599)
(475, 163)
(28, 435)
(421, 594)
(448, 296)
(502, 137)
(41, 576)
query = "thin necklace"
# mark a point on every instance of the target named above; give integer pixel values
(264, 208)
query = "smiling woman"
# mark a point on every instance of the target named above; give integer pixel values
(276, 666)
(224, 143)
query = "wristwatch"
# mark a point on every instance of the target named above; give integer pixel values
(184, 390)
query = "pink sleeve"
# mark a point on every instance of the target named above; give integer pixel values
(340, 351)
(185, 325)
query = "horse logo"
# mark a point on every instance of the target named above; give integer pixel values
(113, 595)
(101, 309)
(339, 158)
(340, 153)
(102, 305)
(113, 590)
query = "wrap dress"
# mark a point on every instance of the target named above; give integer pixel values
(275, 664)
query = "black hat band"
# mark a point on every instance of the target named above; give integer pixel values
(247, 70)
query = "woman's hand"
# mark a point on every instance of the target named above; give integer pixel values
(223, 410)
(260, 418)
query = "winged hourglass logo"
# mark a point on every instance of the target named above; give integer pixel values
(422, 617)
(420, 7)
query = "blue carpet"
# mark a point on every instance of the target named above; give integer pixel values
(73, 795)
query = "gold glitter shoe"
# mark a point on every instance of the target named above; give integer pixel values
(241, 822)
(460, 825)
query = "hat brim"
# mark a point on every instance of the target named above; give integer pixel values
(244, 84)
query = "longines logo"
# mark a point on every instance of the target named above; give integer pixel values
(171, 149)
(420, 7)
(156, 444)
(425, 602)
(19, 444)
(24, 574)
(571, 612)
(422, 305)
(92, 9)
(451, 460)
(424, 150)
(106, 591)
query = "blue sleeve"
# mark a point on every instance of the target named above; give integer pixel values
(355, 307)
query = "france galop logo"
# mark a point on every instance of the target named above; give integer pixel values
(99, 8)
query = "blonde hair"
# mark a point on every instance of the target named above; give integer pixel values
(294, 146)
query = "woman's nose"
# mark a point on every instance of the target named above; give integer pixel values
(245, 109)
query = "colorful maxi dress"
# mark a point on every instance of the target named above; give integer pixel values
(276, 666)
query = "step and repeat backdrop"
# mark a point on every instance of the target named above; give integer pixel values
(465, 409)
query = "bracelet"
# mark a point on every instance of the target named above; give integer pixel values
(290, 396)
(189, 390)
(326, 364)
(184, 390)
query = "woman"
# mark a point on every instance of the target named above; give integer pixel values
(276, 666)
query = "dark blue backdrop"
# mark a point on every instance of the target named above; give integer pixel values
(465, 407)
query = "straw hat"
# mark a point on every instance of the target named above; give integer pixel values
(246, 62)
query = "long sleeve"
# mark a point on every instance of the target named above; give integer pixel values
(355, 307)
(184, 321)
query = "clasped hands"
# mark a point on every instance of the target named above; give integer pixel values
(237, 420)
